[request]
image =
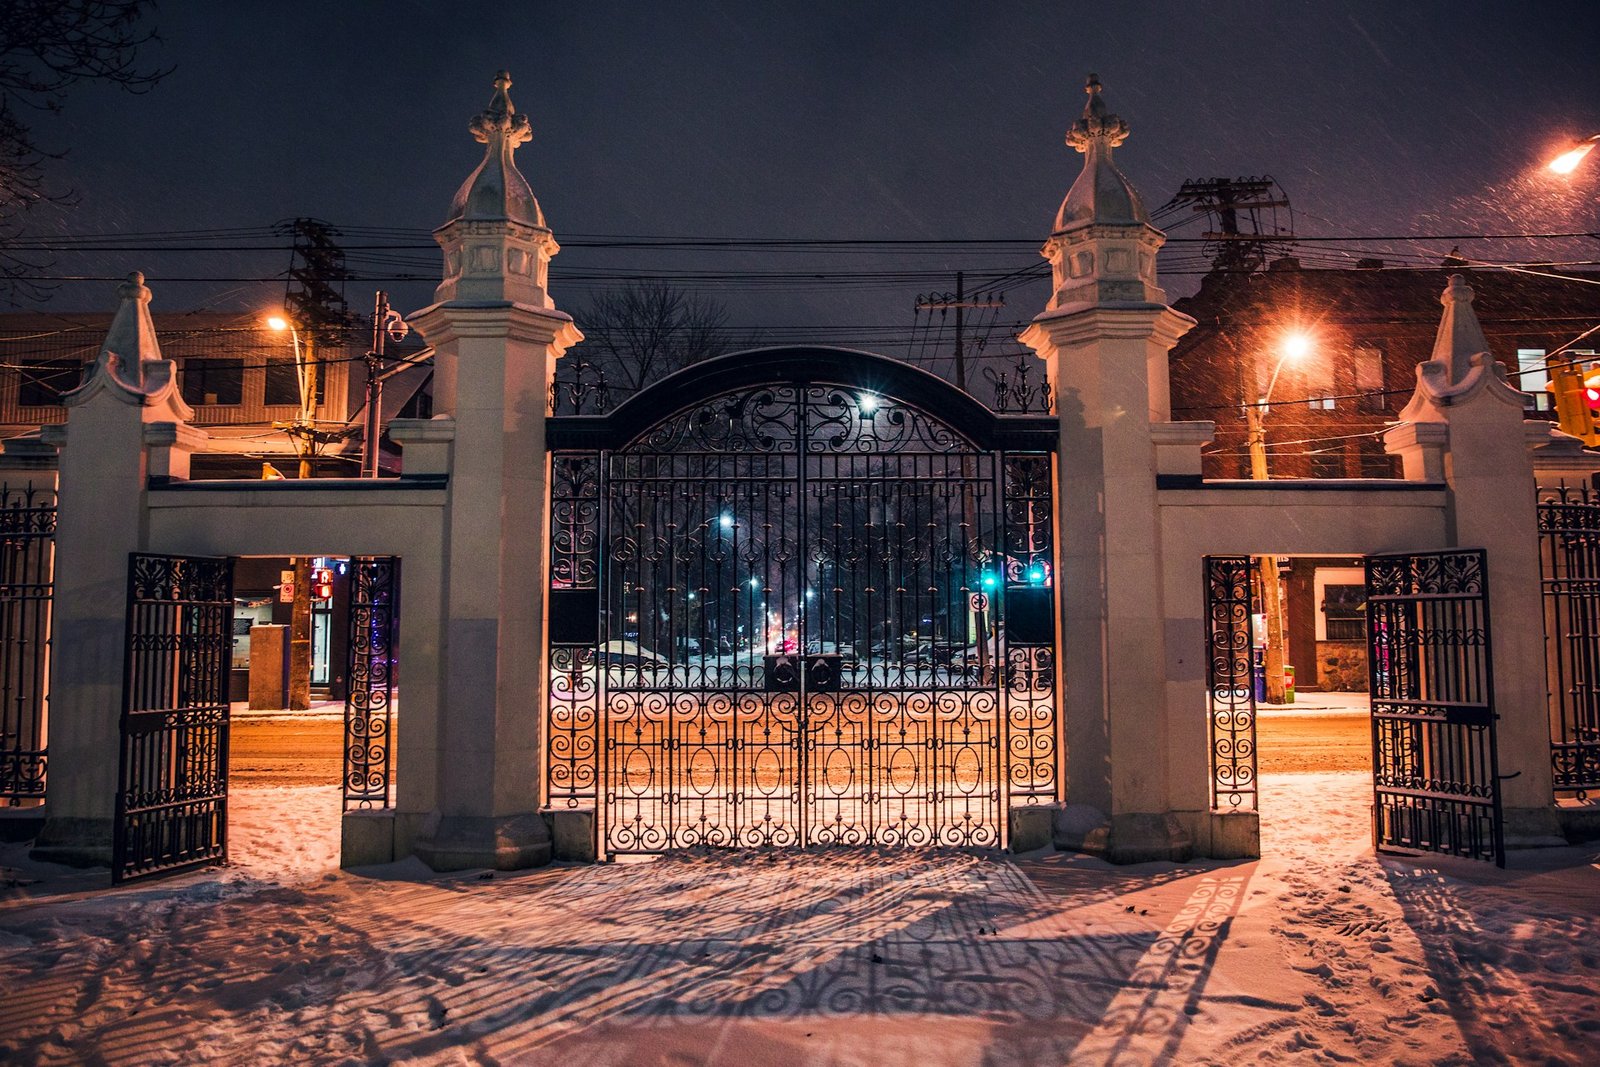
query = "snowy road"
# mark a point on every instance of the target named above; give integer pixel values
(1319, 953)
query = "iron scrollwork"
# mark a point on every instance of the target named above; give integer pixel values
(27, 575)
(1569, 551)
(790, 652)
(173, 778)
(1436, 768)
(369, 704)
(1230, 693)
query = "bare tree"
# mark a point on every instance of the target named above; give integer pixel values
(646, 330)
(46, 48)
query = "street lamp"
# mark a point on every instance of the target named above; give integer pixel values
(303, 428)
(1295, 347)
(1568, 161)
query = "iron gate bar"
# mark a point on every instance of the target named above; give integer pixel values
(694, 746)
(374, 619)
(1435, 762)
(1230, 674)
(27, 573)
(1569, 555)
(172, 788)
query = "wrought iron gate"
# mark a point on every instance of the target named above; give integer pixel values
(1230, 677)
(801, 613)
(1569, 551)
(27, 571)
(172, 791)
(369, 699)
(1435, 766)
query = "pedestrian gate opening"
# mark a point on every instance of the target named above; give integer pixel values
(812, 605)
(172, 790)
(1436, 771)
(1434, 763)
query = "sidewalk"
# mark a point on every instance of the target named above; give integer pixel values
(319, 709)
(1319, 704)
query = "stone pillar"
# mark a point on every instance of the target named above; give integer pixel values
(1463, 392)
(128, 395)
(496, 335)
(1104, 338)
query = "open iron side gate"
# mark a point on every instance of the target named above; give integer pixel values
(1434, 761)
(172, 788)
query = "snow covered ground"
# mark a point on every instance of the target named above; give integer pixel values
(1319, 953)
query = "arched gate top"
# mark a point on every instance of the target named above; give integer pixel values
(803, 365)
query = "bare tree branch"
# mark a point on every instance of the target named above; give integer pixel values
(46, 48)
(647, 330)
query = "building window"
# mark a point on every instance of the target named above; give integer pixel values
(283, 382)
(1344, 612)
(1534, 377)
(1366, 368)
(213, 381)
(1374, 461)
(42, 381)
(1329, 464)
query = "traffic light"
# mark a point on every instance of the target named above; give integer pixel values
(322, 584)
(1576, 390)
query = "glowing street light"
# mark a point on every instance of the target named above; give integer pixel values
(1568, 161)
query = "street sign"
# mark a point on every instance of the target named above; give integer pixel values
(978, 602)
(286, 587)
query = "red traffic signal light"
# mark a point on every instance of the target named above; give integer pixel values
(322, 584)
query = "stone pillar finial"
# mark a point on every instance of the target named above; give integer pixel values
(497, 245)
(499, 122)
(1460, 335)
(1097, 122)
(130, 364)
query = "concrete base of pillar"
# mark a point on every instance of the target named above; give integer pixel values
(1126, 838)
(1533, 828)
(1032, 826)
(366, 838)
(21, 824)
(462, 842)
(74, 842)
(1580, 821)
(1235, 835)
(572, 834)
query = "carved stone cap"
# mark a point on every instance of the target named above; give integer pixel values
(1101, 193)
(497, 190)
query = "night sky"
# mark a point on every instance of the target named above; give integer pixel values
(820, 120)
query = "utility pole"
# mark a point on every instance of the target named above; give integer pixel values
(313, 301)
(1271, 595)
(1246, 228)
(959, 303)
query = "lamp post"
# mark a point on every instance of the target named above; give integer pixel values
(387, 324)
(1568, 161)
(302, 431)
(1295, 347)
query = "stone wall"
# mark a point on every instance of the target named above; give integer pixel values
(1341, 667)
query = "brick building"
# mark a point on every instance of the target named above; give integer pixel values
(238, 377)
(1369, 328)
